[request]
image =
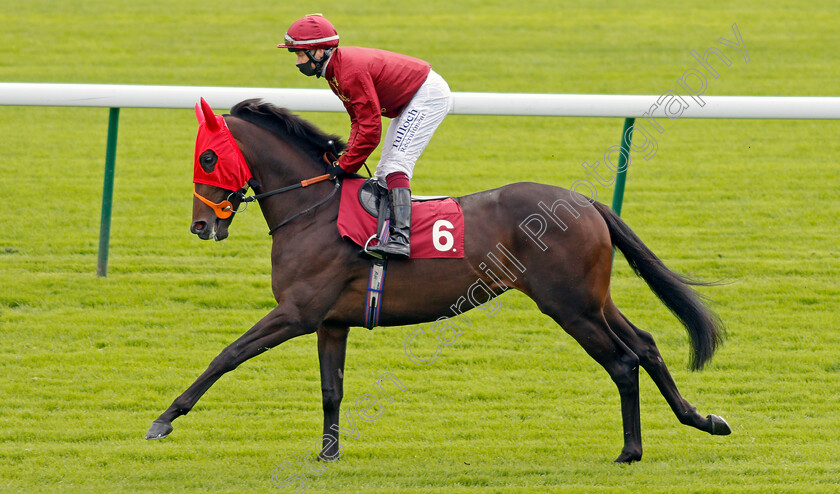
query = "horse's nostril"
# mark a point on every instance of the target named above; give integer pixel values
(198, 226)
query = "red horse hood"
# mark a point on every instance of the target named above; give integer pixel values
(230, 170)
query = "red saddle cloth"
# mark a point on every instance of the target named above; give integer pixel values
(437, 226)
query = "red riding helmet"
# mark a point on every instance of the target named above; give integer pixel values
(311, 33)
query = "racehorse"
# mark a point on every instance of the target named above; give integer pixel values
(319, 280)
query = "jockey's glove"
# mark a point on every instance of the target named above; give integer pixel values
(334, 170)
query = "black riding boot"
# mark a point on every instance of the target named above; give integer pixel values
(397, 246)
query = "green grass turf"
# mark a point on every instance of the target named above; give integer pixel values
(514, 405)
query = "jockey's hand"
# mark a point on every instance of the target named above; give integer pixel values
(334, 170)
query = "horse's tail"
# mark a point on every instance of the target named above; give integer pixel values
(704, 327)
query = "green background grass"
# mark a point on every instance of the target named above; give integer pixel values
(515, 405)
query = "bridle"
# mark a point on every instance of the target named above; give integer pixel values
(224, 209)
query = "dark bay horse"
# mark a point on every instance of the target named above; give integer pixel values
(562, 262)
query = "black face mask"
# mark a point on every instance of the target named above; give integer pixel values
(307, 68)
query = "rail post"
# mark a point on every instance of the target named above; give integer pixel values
(108, 192)
(623, 164)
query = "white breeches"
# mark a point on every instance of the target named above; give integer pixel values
(410, 132)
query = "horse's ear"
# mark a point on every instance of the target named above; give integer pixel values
(209, 116)
(198, 114)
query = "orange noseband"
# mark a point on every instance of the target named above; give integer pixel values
(223, 209)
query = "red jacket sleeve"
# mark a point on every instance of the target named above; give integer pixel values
(365, 120)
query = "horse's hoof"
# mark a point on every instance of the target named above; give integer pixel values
(628, 457)
(159, 430)
(719, 426)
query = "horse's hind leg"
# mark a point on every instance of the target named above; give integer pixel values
(642, 344)
(593, 333)
(332, 347)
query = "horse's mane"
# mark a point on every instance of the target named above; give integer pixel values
(281, 121)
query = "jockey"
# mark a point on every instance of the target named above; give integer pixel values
(372, 83)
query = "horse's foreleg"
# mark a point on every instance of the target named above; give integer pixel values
(642, 343)
(332, 347)
(277, 326)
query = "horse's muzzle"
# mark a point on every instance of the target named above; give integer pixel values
(205, 231)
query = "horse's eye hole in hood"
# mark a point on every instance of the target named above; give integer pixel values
(208, 160)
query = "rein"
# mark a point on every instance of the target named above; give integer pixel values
(329, 158)
(299, 185)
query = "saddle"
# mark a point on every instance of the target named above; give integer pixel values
(373, 196)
